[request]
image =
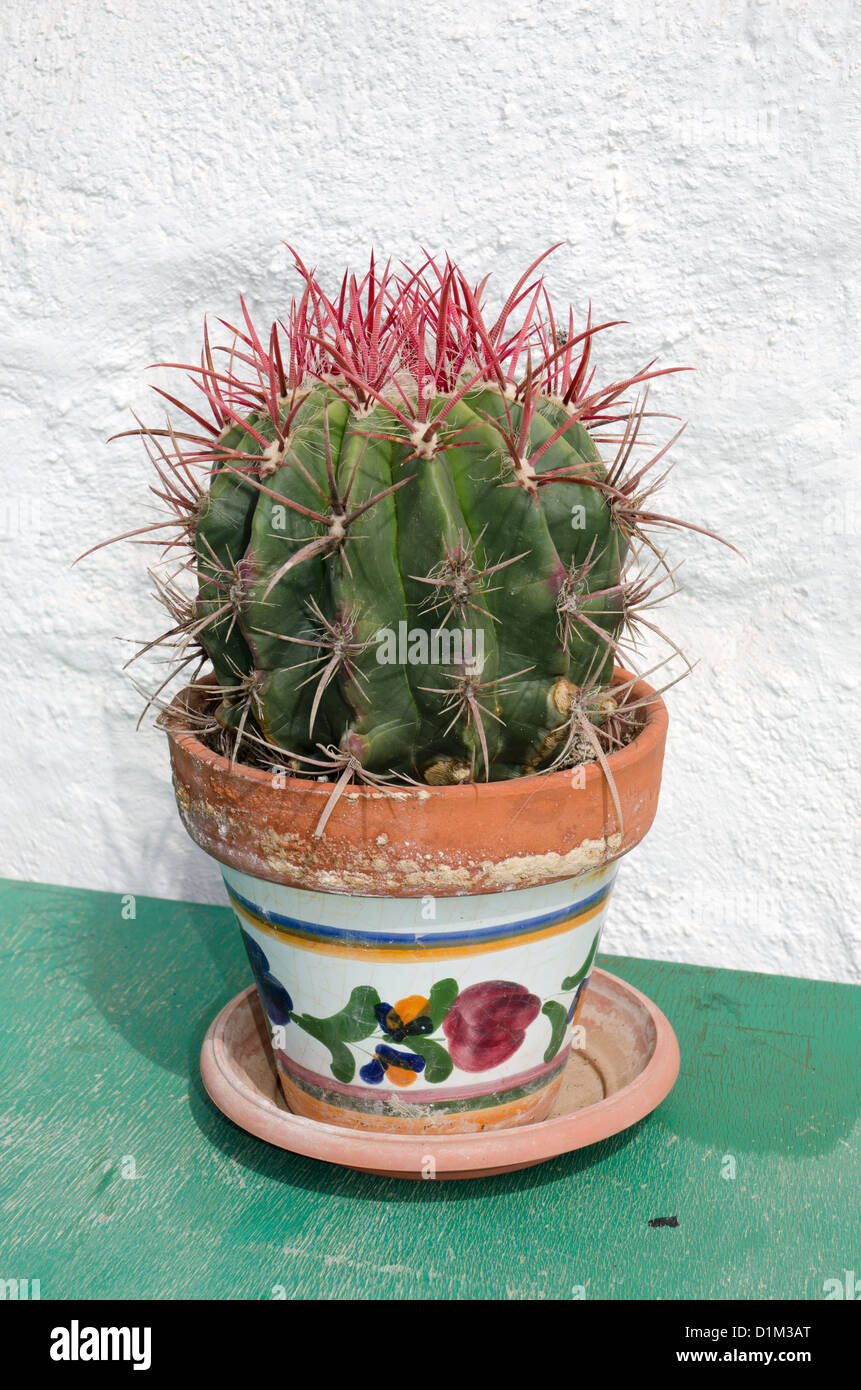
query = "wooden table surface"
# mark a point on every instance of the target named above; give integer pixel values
(120, 1179)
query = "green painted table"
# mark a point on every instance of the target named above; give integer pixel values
(120, 1179)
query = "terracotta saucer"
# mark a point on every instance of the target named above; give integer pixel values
(628, 1065)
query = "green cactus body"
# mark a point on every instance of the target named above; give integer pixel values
(410, 557)
(418, 624)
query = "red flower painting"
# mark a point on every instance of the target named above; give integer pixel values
(487, 1023)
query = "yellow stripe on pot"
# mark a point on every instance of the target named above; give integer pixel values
(446, 950)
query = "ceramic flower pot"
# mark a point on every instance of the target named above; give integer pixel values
(423, 962)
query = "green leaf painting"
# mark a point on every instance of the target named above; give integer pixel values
(440, 1000)
(357, 1020)
(572, 981)
(558, 1019)
(438, 1063)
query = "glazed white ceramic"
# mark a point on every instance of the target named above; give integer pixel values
(387, 1010)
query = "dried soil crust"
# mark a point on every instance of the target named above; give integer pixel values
(446, 841)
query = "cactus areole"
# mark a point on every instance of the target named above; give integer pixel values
(410, 552)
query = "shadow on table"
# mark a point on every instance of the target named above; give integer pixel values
(165, 972)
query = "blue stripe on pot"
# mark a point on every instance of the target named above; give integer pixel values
(410, 945)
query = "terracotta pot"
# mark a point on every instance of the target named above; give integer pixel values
(423, 962)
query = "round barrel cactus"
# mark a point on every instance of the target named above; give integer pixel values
(411, 556)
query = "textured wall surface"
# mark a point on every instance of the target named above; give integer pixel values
(699, 160)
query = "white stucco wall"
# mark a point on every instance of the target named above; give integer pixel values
(700, 160)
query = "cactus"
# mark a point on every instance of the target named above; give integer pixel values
(410, 556)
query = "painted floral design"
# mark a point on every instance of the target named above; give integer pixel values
(476, 1029)
(401, 1068)
(276, 1002)
(560, 1017)
(487, 1024)
(412, 1017)
(408, 1018)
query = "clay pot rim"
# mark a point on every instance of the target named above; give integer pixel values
(652, 732)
